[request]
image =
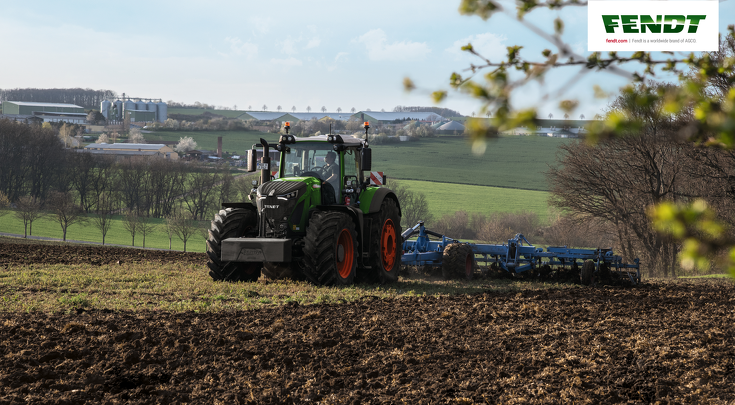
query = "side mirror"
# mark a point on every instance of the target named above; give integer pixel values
(366, 159)
(252, 160)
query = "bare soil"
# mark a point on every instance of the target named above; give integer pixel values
(664, 342)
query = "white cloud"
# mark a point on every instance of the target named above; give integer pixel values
(288, 46)
(489, 45)
(341, 55)
(378, 50)
(287, 62)
(237, 47)
(313, 43)
(262, 25)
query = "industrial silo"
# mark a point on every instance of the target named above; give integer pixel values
(105, 106)
(140, 105)
(128, 105)
(151, 106)
(119, 108)
(162, 111)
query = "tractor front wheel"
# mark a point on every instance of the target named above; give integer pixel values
(458, 261)
(231, 223)
(330, 249)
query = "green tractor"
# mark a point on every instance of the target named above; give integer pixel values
(321, 218)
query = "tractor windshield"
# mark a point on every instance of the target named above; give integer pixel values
(307, 159)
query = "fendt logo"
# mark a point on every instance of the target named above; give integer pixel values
(635, 24)
(670, 26)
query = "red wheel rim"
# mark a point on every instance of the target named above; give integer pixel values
(346, 249)
(388, 245)
(468, 264)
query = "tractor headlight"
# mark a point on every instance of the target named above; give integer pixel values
(288, 196)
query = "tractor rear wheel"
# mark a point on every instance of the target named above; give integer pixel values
(386, 245)
(586, 277)
(458, 261)
(330, 249)
(231, 223)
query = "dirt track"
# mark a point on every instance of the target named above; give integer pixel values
(661, 342)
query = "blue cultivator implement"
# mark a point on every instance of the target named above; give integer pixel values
(516, 258)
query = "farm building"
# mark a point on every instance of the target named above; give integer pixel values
(47, 112)
(451, 126)
(30, 108)
(127, 150)
(388, 117)
(142, 115)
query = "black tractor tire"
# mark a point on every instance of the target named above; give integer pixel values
(586, 276)
(282, 271)
(231, 223)
(330, 249)
(386, 246)
(458, 262)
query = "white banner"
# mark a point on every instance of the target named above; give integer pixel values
(652, 25)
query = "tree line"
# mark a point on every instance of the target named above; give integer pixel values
(87, 98)
(37, 169)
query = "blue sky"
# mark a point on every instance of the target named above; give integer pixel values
(289, 53)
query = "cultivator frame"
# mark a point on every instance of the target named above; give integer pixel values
(519, 256)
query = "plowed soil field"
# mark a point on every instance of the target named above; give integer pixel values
(664, 342)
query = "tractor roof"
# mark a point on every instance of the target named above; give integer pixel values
(349, 140)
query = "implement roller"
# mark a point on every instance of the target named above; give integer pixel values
(517, 257)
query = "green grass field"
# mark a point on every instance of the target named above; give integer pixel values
(232, 141)
(117, 235)
(511, 161)
(446, 198)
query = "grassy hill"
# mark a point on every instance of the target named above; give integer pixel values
(232, 141)
(509, 162)
(445, 198)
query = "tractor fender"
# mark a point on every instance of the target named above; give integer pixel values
(377, 200)
(357, 217)
(246, 205)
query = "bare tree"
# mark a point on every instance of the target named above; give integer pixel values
(324, 109)
(339, 109)
(308, 108)
(199, 191)
(279, 108)
(184, 226)
(102, 218)
(131, 223)
(169, 225)
(265, 107)
(594, 181)
(28, 210)
(414, 205)
(146, 227)
(65, 210)
(581, 116)
(4, 204)
(551, 115)
(352, 110)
